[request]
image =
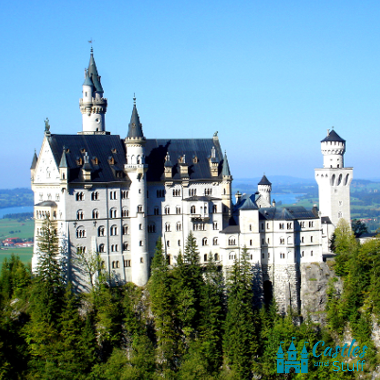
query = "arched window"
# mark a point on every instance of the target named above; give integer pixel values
(231, 240)
(167, 227)
(250, 227)
(125, 212)
(80, 215)
(192, 210)
(204, 241)
(339, 179)
(113, 230)
(113, 213)
(332, 180)
(346, 179)
(94, 196)
(95, 214)
(178, 210)
(101, 231)
(101, 248)
(205, 257)
(214, 209)
(151, 228)
(81, 232)
(139, 208)
(232, 256)
(156, 211)
(125, 246)
(215, 241)
(79, 196)
(167, 210)
(125, 230)
(216, 257)
(179, 226)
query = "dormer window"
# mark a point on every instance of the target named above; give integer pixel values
(83, 150)
(79, 161)
(114, 150)
(95, 160)
(111, 160)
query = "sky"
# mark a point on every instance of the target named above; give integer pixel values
(270, 76)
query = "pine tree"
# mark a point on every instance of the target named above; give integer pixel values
(212, 318)
(163, 307)
(240, 343)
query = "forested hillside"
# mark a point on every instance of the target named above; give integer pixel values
(187, 323)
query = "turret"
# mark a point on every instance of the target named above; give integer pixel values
(136, 170)
(64, 168)
(333, 148)
(264, 187)
(92, 105)
(33, 166)
(226, 189)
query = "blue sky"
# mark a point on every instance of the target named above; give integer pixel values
(270, 76)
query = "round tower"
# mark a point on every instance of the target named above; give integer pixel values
(136, 169)
(92, 105)
(264, 187)
(333, 148)
(334, 182)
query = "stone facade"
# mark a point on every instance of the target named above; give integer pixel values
(115, 197)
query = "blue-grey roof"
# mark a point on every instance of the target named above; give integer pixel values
(93, 74)
(34, 161)
(46, 204)
(63, 162)
(285, 213)
(264, 181)
(156, 150)
(247, 202)
(203, 198)
(135, 126)
(87, 80)
(333, 136)
(101, 147)
(231, 230)
(226, 166)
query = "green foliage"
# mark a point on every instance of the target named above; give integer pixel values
(358, 227)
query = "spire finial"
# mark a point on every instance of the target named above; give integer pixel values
(47, 126)
(90, 42)
(134, 98)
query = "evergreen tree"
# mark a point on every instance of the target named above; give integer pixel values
(212, 318)
(188, 289)
(163, 307)
(240, 343)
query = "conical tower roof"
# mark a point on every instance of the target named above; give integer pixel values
(333, 136)
(226, 166)
(34, 161)
(292, 347)
(264, 181)
(87, 80)
(93, 74)
(135, 126)
(63, 163)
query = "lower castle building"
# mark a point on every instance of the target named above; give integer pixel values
(115, 196)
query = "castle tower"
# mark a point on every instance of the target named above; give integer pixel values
(136, 169)
(226, 191)
(334, 180)
(304, 359)
(93, 106)
(264, 187)
(280, 359)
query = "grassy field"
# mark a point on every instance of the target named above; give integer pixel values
(25, 254)
(23, 229)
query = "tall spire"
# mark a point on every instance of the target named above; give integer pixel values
(93, 73)
(63, 163)
(226, 166)
(135, 126)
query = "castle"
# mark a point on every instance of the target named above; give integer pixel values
(300, 366)
(116, 196)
